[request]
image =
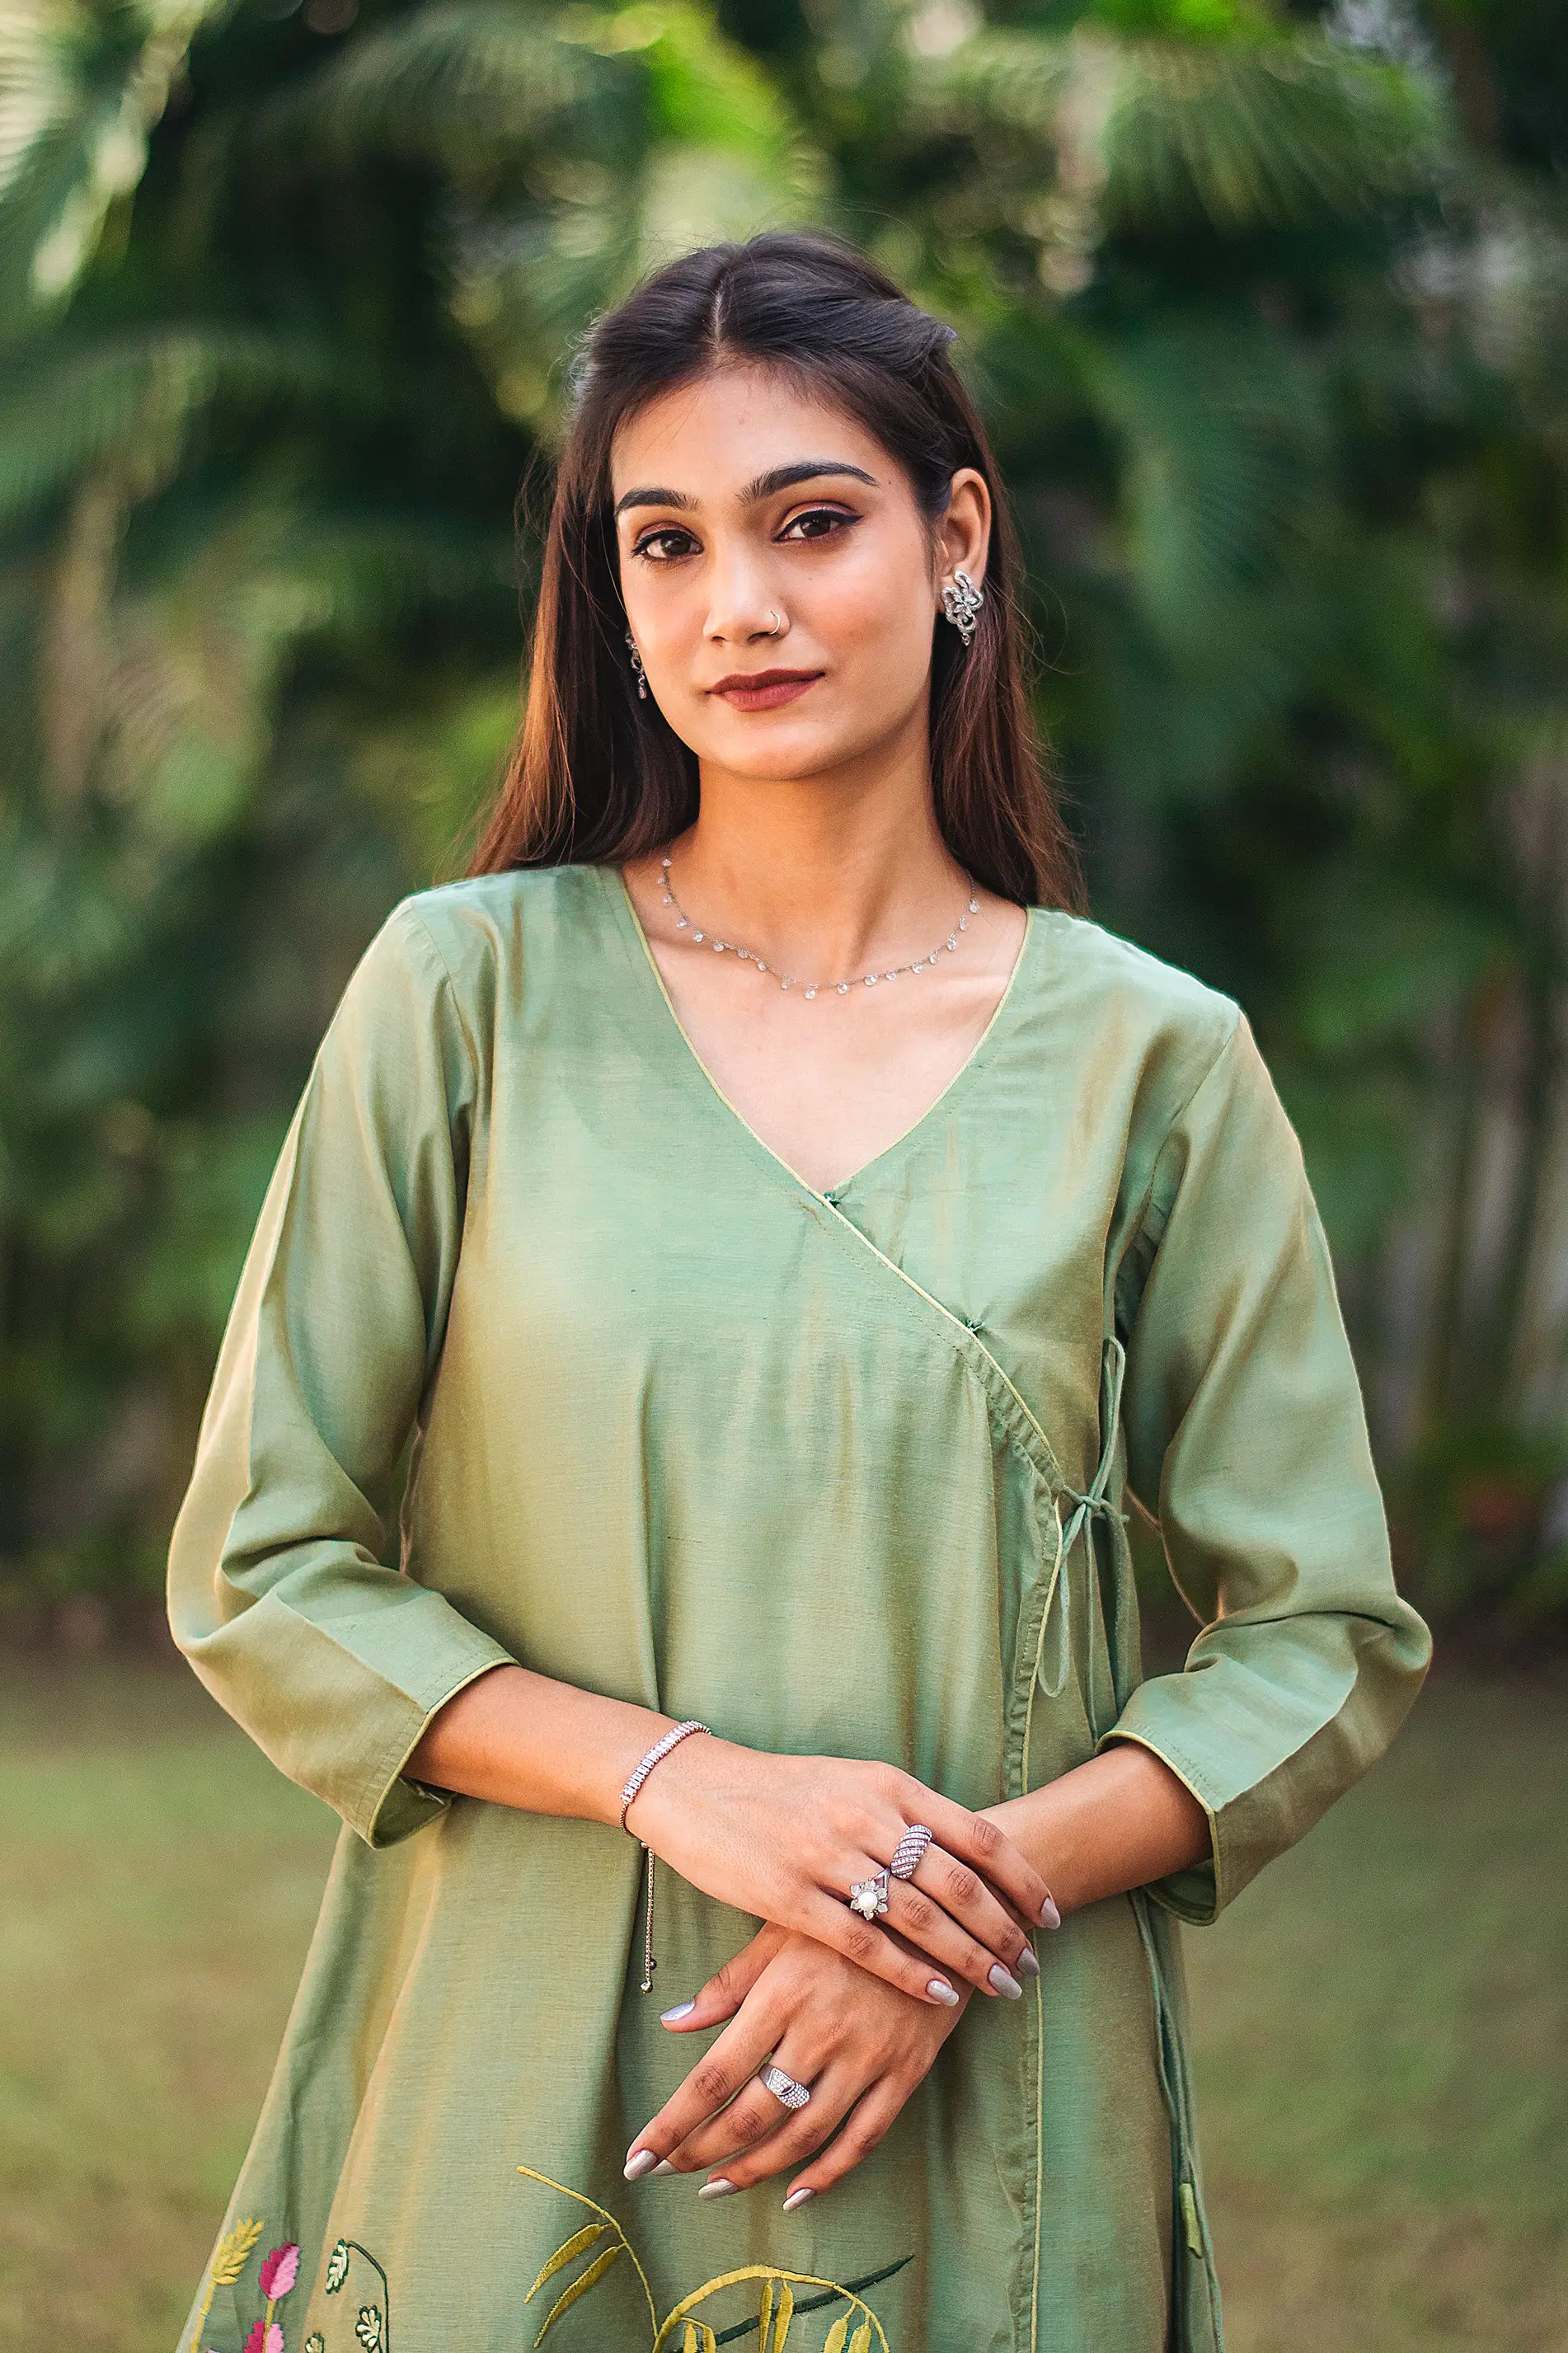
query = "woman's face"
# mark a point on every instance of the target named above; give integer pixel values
(740, 504)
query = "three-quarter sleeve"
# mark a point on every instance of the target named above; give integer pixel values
(1246, 1437)
(280, 1596)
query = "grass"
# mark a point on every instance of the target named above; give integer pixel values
(1381, 2023)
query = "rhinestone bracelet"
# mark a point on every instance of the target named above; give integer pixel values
(661, 1747)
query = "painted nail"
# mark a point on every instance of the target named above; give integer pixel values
(941, 1989)
(643, 2161)
(720, 2189)
(664, 2166)
(797, 2198)
(1029, 1962)
(1050, 1916)
(1004, 1980)
(680, 2010)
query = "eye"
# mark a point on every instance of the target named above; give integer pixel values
(825, 523)
(832, 516)
(650, 539)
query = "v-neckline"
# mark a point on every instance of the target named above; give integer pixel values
(674, 1031)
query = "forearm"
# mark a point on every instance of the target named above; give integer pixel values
(547, 1747)
(1118, 1820)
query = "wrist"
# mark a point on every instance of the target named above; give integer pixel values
(670, 1784)
(1035, 1825)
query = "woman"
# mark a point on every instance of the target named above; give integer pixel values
(795, 1234)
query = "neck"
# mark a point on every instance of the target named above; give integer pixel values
(831, 876)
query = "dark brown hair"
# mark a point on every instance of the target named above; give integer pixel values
(596, 774)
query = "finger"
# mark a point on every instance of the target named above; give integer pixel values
(752, 2115)
(799, 2131)
(866, 2124)
(715, 2079)
(976, 1840)
(722, 1996)
(829, 1919)
(948, 1911)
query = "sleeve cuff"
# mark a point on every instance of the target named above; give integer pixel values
(401, 1804)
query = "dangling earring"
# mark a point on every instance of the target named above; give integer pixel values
(636, 665)
(960, 600)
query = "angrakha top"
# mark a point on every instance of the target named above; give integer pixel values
(841, 1472)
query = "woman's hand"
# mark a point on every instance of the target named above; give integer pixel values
(859, 2044)
(785, 1838)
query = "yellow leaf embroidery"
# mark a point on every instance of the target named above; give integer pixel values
(678, 2327)
(579, 2287)
(234, 2252)
(577, 2245)
(778, 2311)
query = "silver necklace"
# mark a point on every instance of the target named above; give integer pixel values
(683, 923)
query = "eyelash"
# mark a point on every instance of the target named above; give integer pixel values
(810, 514)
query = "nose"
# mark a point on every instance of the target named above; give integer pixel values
(742, 602)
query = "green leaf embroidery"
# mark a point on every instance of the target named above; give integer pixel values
(577, 2245)
(579, 2287)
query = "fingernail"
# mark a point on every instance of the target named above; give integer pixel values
(720, 2189)
(941, 1989)
(1029, 1962)
(1004, 1980)
(1050, 1916)
(664, 2166)
(643, 2161)
(797, 2198)
(680, 2010)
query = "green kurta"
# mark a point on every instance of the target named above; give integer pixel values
(839, 1473)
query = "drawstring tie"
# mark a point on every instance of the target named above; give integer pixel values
(1113, 1365)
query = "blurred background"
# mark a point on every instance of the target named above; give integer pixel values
(1265, 306)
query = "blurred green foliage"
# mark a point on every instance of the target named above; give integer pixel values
(1265, 307)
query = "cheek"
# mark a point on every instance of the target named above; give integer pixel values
(872, 619)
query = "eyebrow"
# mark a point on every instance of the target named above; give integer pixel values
(777, 478)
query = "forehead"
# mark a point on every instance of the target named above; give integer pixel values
(710, 438)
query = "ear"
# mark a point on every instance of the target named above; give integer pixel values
(964, 530)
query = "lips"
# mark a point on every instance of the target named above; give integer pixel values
(764, 689)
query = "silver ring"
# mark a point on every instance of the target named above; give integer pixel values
(869, 1896)
(909, 1849)
(784, 2088)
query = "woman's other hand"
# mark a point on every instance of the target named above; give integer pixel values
(859, 2043)
(785, 1838)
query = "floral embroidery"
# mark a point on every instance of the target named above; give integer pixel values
(276, 2275)
(280, 2272)
(778, 2308)
(374, 2327)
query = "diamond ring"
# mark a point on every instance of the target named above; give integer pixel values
(869, 1896)
(909, 1849)
(792, 2094)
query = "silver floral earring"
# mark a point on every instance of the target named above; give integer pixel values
(960, 600)
(636, 665)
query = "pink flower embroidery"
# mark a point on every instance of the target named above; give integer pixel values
(278, 2272)
(265, 2340)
